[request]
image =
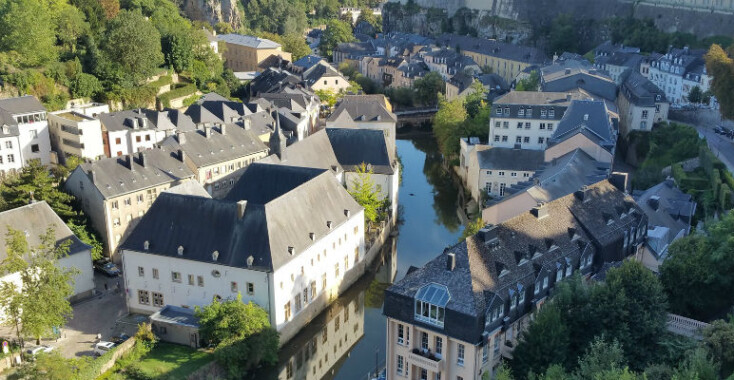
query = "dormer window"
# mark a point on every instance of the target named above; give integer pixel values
(521, 298)
(545, 282)
(521, 112)
(569, 267)
(551, 113)
(430, 304)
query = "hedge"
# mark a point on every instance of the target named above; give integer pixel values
(160, 82)
(184, 90)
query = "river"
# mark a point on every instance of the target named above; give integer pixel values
(347, 340)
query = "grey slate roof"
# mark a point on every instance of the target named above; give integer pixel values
(113, 177)
(537, 101)
(176, 316)
(493, 48)
(126, 120)
(21, 105)
(249, 41)
(510, 159)
(641, 91)
(308, 61)
(189, 187)
(272, 80)
(363, 108)
(170, 120)
(236, 142)
(212, 108)
(293, 102)
(34, 219)
(284, 204)
(590, 118)
(667, 206)
(353, 147)
(568, 75)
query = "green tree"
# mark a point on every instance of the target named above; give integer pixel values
(447, 124)
(697, 366)
(178, 50)
(133, 44)
(40, 303)
(720, 66)
(35, 182)
(601, 356)
(719, 340)
(428, 88)
(544, 343)
(336, 32)
(85, 86)
(471, 228)
(241, 334)
(27, 28)
(367, 15)
(366, 193)
(564, 34)
(531, 83)
(696, 95)
(70, 26)
(688, 278)
(296, 45)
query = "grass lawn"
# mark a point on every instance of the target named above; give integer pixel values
(173, 360)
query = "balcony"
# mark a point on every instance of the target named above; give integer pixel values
(426, 360)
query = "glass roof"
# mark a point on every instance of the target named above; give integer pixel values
(434, 294)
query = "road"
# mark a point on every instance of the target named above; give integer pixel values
(721, 146)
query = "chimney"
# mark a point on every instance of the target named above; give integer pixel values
(207, 131)
(291, 250)
(250, 260)
(328, 224)
(654, 202)
(146, 245)
(312, 236)
(180, 250)
(181, 137)
(141, 158)
(215, 255)
(568, 97)
(582, 194)
(130, 162)
(586, 117)
(540, 211)
(181, 155)
(347, 213)
(241, 206)
(247, 123)
(450, 261)
(92, 176)
(223, 129)
(488, 233)
(619, 180)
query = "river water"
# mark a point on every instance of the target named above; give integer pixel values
(347, 341)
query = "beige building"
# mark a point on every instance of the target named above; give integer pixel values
(215, 153)
(246, 53)
(641, 104)
(116, 192)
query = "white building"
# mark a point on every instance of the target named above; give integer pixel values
(78, 132)
(527, 119)
(678, 72)
(289, 239)
(35, 219)
(26, 137)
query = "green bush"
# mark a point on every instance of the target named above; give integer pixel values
(178, 92)
(160, 82)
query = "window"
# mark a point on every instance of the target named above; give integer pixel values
(250, 288)
(522, 297)
(527, 125)
(424, 374)
(298, 302)
(518, 139)
(336, 323)
(34, 134)
(115, 205)
(141, 272)
(143, 297)
(140, 198)
(502, 189)
(424, 341)
(550, 126)
(9, 144)
(176, 276)
(336, 270)
(200, 280)
(233, 287)
(498, 111)
(542, 114)
(36, 149)
(401, 365)
(559, 274)
(191, 279)
(305, 297)
(497, 125)
(644, 114)
(116, 222)
(496, 138)
(346, 263)
(551, 113)
(513, 174)
(11, 158)
(430, 302)
(127, 202)
(569, 269)
(485, 353)
(439, 345)
(542, 125)
(526, 139)
(157, 299)
(460, 355)
(505, 124)
(496, 346)
(521, 112)
(287, 310)
(519, 125)
(403, 335)
(323, 281)
(504, 138)
(155, 273)
(147, 137)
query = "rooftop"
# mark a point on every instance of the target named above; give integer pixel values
(216, 145)
(493, 48)
(590, 118)
(22, 105)
(510, 159)
(249, 41)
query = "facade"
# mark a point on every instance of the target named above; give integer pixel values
(116, 192)
(127, 132)
(459, 86)
(366, 112)
(619, 64)
(175, 324)
(25, 134)
(527, 118)
(214, 153)
(506, 60)
(289, 239)
(641, 104)
(323, 76)
(448, 63)
(458, 316)
(353, 52)
(246, 53)
(301, 106)
(677, 72)
(35, 219)
(78, 132)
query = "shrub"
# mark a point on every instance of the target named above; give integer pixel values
(178, 92)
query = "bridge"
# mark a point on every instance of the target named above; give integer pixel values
(415, 116)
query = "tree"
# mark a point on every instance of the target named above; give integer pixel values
(719, 340)
(133, 44)
(70, 25)
(367, 15)
(85, 86)
(600, 357)
(472, 228)
(476, 100)
(530, 83)
(447, 124)
(40, 302)
(27, 28)
(428, 88)
(366, 193)
(296, 45)
(336, 32)
(110, 7)
(241, 334)
(223, 28)
(696, 95)
(697, 366)
(35, 182)
(720, 66)
(688, 278)
(564, 34)
(544, 343)
(178, 50)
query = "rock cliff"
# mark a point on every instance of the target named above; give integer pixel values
(212, 11)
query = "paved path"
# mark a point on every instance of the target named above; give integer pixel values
(721, 146)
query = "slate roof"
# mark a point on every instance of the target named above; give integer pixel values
(293, 102)
(284, 204)
(355, 50)
(249, 41)
(515, 101)
(363, 108)
(113, 177)
(590, 118)
(322, 70)
(213, 108)
(219, 147)
(308, 61)
(667, 206)
(189, 187)
(126, 120)
(21, 105)
(641, 91)
(34, 219)
(176, 316)
(272, 80)
(170, 120)
(510, 159)
(568, 75)
(493, 48)
(507, 259)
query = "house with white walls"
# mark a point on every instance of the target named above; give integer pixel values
(289, 239)
(24, 134)
(77, 131)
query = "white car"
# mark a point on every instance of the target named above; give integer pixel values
(33, 351)
(101, 348)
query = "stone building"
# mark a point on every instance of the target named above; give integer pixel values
(246, 53)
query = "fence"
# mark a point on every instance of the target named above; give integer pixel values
(680, 325)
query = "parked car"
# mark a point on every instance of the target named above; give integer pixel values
(106, 267)
(117, 339)
(33, 351)
(101, 348)
(719, 130)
